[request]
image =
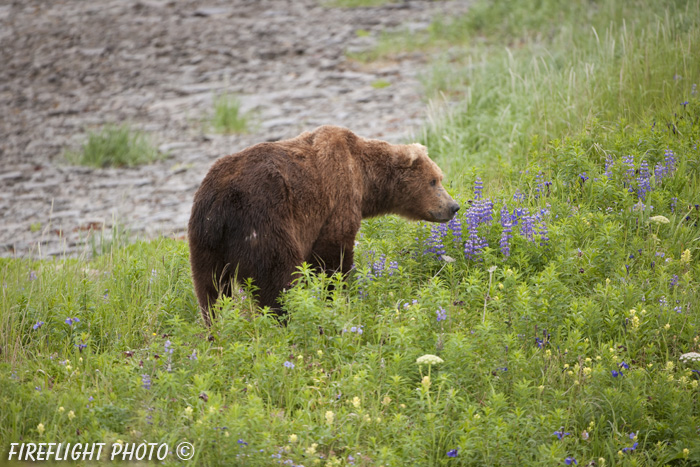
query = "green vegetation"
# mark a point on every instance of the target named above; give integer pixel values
(114, 146)
(228, 117)
(357, 3)
(380, 84)
(562, 302)
(527, 72)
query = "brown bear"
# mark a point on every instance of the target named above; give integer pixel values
(261, 212)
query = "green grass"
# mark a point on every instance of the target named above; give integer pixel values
(356, 3)
(228, 117)
(529, 341)
(114, 146)
(381, 84)
(533, 339)
(523, 73)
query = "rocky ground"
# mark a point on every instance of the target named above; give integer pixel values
(70, 66)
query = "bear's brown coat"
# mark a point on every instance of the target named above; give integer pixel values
(261, 212)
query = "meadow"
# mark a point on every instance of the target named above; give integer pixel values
(554, 321)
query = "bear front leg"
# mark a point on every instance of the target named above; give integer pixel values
(331, 257)
(333, 250)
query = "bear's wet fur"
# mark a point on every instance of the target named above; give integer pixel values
(263, 211)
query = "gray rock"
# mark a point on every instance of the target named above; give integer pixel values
(157, 65)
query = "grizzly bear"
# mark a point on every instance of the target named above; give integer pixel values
(262, 212)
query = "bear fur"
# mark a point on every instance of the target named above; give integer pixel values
(261, 212)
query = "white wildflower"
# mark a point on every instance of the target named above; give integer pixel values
(429, 359)
(690, 357)
(659, 219)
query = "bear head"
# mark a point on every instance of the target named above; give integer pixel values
(419, 191)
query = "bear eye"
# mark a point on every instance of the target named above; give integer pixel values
(433, 182)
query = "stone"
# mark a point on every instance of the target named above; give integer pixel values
(159, 68)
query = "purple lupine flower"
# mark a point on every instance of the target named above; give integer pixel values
(435, 242)
(560, 434)
(539, 184)
(629, 173)
(631, 448)
(616, 373)
(582, 178)
(81, 346)
(644, 186)
(570, 460)
(472, 247)
(526, 227)
(674, 280)
(624, 365)
(146, 381)
(378, 266)
(393, 267)
(518, 196)
(670, 161)
(480, 212)
(72, 321)
(441, 314)
(506, 235)
(289, 365)
(38, 325)
(659, 173)
(478, 188)
(485, 210)
(32, 275)
(452, 452)
(673, 204)
(518, 213)
(543, 232)
(242, 443)
(609, 162)
(168, 347)
(455, 225)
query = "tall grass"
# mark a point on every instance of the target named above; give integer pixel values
(228, 117)
(523, 73)
(568, 347)
(114, 146)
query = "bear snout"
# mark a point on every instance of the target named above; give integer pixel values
(453, 207)
(446, 213)
(450, 211)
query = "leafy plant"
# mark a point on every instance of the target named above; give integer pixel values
(114, 146)
(228, 117)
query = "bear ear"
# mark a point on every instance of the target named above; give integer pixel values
(412, 153)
